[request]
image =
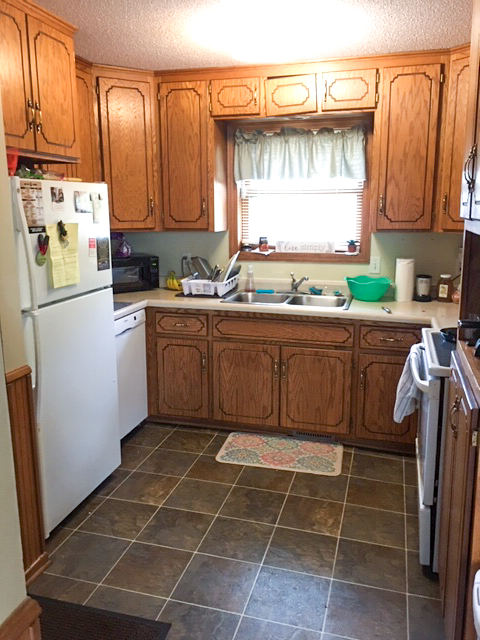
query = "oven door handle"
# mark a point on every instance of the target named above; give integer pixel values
(416, 356)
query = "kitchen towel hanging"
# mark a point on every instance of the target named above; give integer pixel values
(404, 279)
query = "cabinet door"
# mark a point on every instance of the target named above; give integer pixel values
(377, 390)
(127, 151)
(52, 61)
(293, 94)
(456, 505)
(452, 165)
(315, 389)
(16, 91)
(88, 169)
(408, 139)
(245, 383)
(182, 377)
(349, 89)
(235, 97)
(183, 118)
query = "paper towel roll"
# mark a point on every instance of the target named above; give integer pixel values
(404, 279)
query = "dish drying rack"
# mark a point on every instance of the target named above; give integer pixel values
(193, 287)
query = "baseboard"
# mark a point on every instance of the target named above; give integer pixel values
(23, 623)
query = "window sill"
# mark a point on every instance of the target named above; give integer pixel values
(246, 256)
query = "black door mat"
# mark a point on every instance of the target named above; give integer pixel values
(66, 621)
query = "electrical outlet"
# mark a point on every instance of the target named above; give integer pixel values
(374, 264)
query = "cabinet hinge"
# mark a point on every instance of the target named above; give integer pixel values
(377, 78)
(442, 78)
(474, 438)
(97, 89)
(158, 96)
(377, 98)
(210, 94)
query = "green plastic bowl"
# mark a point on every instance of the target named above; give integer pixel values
(368, 289)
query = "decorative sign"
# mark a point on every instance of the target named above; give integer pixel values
(306, 246)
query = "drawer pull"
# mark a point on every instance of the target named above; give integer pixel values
(181, 324)
(204, 208)
(39, 117)
(204, 363)
(453, 411)
(275, 369)
(31, 122)
(284, 370)
(383, 339)
(362, 378)
(152, 206)
(381, 210)
(255, 101)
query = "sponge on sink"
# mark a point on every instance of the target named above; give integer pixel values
(315, 292)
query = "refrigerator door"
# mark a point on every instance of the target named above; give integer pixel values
(85, 204)
(76, 400)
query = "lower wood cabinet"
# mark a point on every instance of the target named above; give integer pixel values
(245, 383)
(182, 377)
(315, 389)
(378, 380)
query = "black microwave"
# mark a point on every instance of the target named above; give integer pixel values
(138, 272)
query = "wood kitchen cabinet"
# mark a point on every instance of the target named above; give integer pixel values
(377, 388)
(37, 79)
(407, 143)
(453, 148)
(291, 95)
(88, 169)
(128, 149)
(246, 383)
(182, 377)
(347, 90)
(315, 389)
(193, 159)
(234, 97)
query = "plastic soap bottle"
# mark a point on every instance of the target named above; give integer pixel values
(250, 283)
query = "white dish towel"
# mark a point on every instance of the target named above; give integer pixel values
(408, 394)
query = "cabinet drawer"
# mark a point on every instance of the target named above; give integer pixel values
(173, 323)
(380, 338)
(288, 331)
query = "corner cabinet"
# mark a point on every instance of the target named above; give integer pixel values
(37, 79)
(128, 150)
(407, 143)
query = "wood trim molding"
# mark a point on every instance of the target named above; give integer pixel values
(25, 456)
(23, 623)
(16, 374)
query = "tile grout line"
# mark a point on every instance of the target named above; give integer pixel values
(406, 550)
(199, 545)
(338, 544)
(147, 523)
(242, 615)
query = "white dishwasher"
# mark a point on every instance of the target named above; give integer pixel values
(131, 370)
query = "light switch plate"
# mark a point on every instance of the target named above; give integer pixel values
(374, 264)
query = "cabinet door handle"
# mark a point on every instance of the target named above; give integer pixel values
(152, 206)
(275, 369)
(204, 207)
(31, 121)
(181, 324)
(383, 339)
(362, 378)
(468, 169)
(38, 117)
(445, 204)
(204, 363)
(326, 92)
(453, 411)
(284, 370)
(255, 101)
(380, 206)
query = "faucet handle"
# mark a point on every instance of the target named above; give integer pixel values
(293, 277)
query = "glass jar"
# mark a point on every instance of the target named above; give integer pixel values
(445, 288)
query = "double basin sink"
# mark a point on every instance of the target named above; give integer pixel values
(294, 299)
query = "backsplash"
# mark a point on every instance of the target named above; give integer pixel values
(434, 253)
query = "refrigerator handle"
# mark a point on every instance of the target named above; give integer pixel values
(22, 227)
(30, 335)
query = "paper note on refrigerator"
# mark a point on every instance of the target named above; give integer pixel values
(63, 260)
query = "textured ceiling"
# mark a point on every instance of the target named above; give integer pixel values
(177, 34)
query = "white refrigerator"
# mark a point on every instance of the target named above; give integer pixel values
(67, 306)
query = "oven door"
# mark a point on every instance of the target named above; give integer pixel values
(428, 425)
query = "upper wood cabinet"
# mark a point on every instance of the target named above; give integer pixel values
(407, 143)
(347, 90)
(37, 76)
(235, 97)
(454, 143)
(315, 389)
(88, 168)
(128, 150)
(291, 95)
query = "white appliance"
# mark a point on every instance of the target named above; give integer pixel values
(69, 336)
(131, 370)
(430, 364)
(476, 603)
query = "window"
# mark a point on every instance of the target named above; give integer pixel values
(301, 211)
(308, 189)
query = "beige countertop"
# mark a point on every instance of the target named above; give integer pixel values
(436, 314)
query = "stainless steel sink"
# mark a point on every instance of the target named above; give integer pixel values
(320, 301)
(258, 298)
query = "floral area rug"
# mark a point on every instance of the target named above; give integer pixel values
(278, 452)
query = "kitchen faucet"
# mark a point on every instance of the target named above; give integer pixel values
(297, 283)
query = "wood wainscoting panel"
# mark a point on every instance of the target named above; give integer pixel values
(23, 623)
(25, 455)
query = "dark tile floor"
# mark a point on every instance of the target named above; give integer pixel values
(226, 552)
